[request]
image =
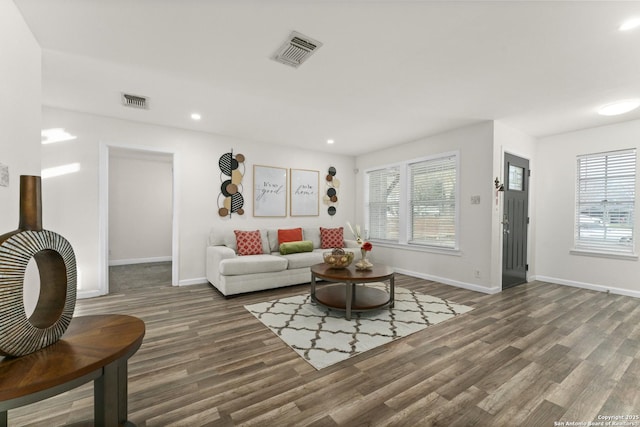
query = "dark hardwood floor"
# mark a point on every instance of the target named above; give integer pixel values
(535, 355)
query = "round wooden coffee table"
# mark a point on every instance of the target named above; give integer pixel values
(348, 297)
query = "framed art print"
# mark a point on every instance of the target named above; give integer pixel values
(304, 194)
(269, 191)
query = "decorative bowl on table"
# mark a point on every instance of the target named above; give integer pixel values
(338, 258)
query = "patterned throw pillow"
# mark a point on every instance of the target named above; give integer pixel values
(249, 242)
(331, 238)
(290, 235)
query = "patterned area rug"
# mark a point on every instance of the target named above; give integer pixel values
(324, 337)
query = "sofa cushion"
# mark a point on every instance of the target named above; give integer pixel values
(289, 235)
(217, 236)
(304, 259)
(272, 234)
(248, 242)
(265, 242)
(331, 237)
(252, 264)
(230, 241)
(313, 234)
(296, 247)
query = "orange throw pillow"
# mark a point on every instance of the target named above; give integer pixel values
(289, 235)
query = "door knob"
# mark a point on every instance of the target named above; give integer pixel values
(505, 225)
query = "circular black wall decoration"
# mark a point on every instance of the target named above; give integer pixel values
(230, 199)
(331, 196)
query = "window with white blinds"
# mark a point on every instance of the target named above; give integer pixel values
(414, 202)
(605, 202)
(384, 203)
(432, 202)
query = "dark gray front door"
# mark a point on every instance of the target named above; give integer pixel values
(515, 221)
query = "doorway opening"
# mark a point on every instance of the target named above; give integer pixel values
(138, 218)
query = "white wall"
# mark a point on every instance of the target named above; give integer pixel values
(140, 206)
(72, 200)
(20, 112)
(475, 144)
(20, 119)
(513, 141)
(555, 211)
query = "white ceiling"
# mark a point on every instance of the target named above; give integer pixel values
(389, 71)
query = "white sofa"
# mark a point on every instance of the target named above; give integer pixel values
(232, 274)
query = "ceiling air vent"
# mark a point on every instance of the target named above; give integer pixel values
(135, 101)
(296, 49)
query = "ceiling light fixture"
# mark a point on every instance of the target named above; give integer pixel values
(630, 24)
(196, 116)
(619, 107)
(330, 141)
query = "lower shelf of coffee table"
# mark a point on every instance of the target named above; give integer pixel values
(364, 298)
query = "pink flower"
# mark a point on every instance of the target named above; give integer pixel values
(367, 246)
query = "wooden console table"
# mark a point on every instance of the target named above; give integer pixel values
(345, 297)
(93, 348)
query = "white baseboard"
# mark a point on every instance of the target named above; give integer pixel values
(591, 286)
(456, 283)
(190, 282)
(139, 260)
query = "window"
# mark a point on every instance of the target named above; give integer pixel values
(432, 199)
(605, 204)
(415, 202)
(384, 203)
(516, 178)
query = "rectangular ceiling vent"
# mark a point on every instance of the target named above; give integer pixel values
(296, 49)
(135, 101)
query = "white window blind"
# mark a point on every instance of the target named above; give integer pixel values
(384, 203)
(432, 202)
(605, 202)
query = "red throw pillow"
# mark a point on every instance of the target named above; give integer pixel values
(290, 235)
(248, 242)
(331, 238)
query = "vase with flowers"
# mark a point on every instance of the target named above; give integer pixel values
(364, 264)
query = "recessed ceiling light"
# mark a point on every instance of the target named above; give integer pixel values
(330, 141)
(630, 24)
(196, 116)
(619, 107)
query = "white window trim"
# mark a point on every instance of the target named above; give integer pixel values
(416, 248)
(404, 228)
(610, 255)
